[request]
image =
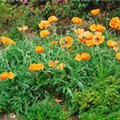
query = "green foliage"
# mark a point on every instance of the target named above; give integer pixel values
(29, 87)
(60, 10)
(5, 13)
(100, 101)
(26, 15)
(47, 110)
(11, 1)
(40, 2)
(17, 16)
(14, 34)
(117, 12)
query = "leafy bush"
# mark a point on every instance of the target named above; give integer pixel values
(14, 34)
(30, 87)
(47, 110)
(22, 13)
(117, 12)
(5, 13)
(100, 101)
(17, 16)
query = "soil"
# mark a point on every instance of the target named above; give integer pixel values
(30, 34)
(8, 118)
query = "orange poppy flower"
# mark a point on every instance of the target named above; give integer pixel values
(82, 56)
(57, 100)
(52, 19)
(85, 36)
(85, 56)
(24, 28)
(61, 66)
(44, 24)
(112, 43)
(115, 48)
(39, 49)
(114, 23)
(78, 57)
(90, 43)
(76, 20)
(79, 31)
(99, 39)
(20, 29)
(66, 42)
(52, 64)
(93, 27)
(118, 56)
(6, 40)
(11, 75)
(44, 33)
(7, 75)
(56, 61)
(36, 67)
(4, 76)
(98, 28)
(95, 12)
(54, 42)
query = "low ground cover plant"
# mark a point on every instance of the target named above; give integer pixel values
(101, 101)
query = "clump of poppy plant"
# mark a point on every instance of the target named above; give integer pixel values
(66, 60)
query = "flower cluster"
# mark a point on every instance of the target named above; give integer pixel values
(7, 75)
(92, 37)
(21, 29)
(45, 24)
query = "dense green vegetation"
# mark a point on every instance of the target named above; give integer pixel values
(101, 101)
(62, 66)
